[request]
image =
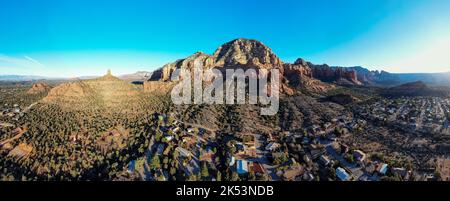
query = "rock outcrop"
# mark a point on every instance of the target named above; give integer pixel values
(71, 90)
(107, 90)
(245, 52)
(339, 75)
(199, 58)
(38, 88)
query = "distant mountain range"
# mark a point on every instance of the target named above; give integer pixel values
(417, 88)
(384, 78)
(138, 76)
(21, 78)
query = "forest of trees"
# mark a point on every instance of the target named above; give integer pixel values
(58, 155)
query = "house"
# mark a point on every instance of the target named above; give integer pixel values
(324, 160)
(272, 146)
(176, 129)
(305, 141)
(316, 153)
(131, 166)
(327, 125)
(250, 152)
(308, 176)
(193, 167)
(382, 168)
(232, 161)
(184, 152)
(168, 138)
(306, 159)
(359, 155)
(370, 168)
(160, 149)
(242, 167)
(162, 118)
(400, 171)
(353, 126)
(207, 156)
(315, 128)
(291, 162)
(292, 173)
(190, 130)
(258, 168)
(342, 174)
(240, 147)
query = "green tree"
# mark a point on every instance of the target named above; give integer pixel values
(155, 162)
(349, 158)
(251, 176)
(204, 171)
(218, 176)
(235, 176)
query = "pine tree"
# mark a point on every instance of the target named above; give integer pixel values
(219, 176)
(155, 162)
(204, 171)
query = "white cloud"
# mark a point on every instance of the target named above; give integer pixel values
(34, 61)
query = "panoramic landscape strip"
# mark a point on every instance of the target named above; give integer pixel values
(224, 100)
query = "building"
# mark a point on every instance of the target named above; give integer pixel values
(382, 168)
(292, 173)
(160, 149)
(184, 152)
(342, 174)
(232, 161)
(400, 171)
(242, 167)
(359, 155)
(272, 146)
(168, 138)
(258, 168)
(324, 160)
(131, 166)
(240, 147)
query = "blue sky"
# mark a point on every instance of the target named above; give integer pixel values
(73, 38)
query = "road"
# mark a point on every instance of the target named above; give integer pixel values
(146, 174)
(355, 170)
(262, 158)
(395, 115)
(194, 125)
(30, 106)
(419, 121)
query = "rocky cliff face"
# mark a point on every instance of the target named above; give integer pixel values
(245, 52)
(300, 75)
(338, 75)
(368, 77)
(200, 58)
